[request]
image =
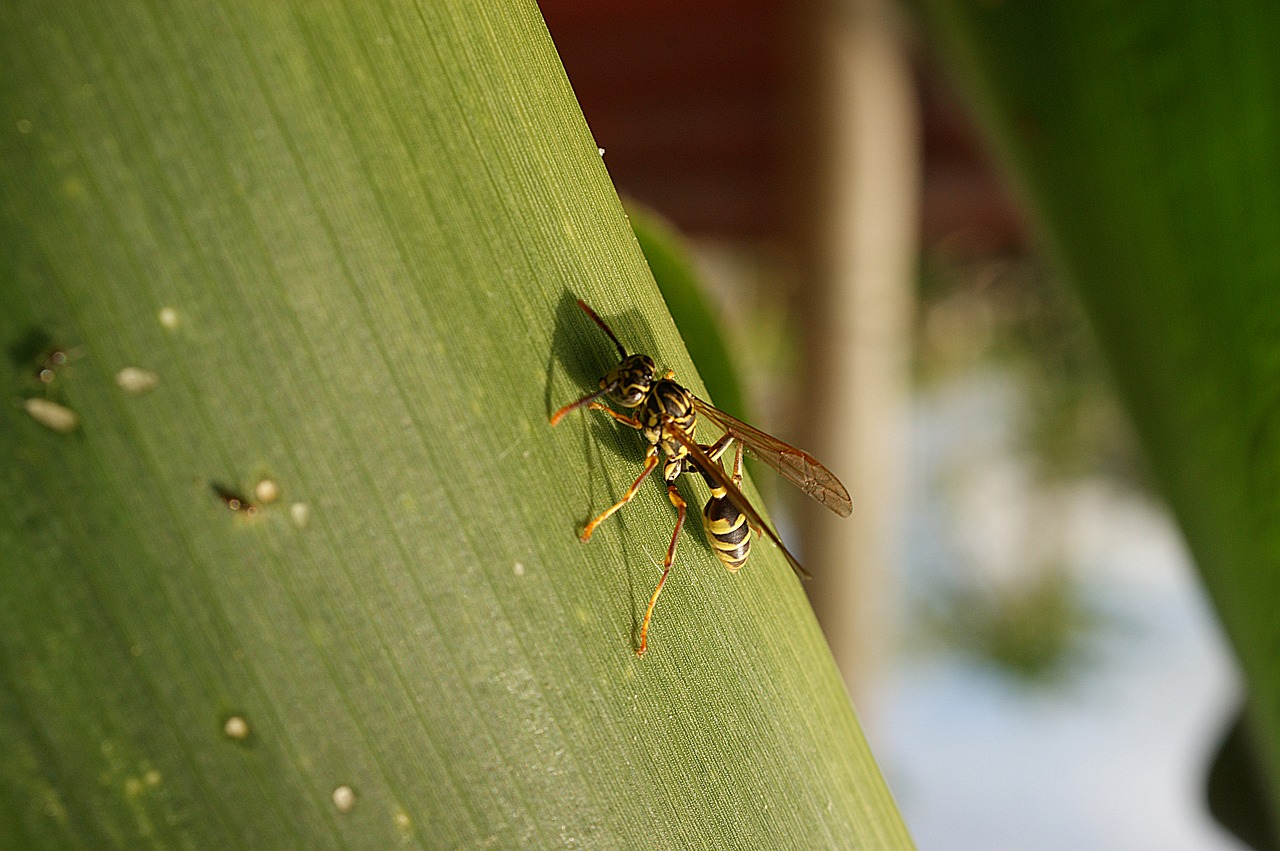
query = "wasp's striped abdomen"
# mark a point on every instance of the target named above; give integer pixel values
(728, 531)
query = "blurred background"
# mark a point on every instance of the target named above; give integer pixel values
(1011, 606)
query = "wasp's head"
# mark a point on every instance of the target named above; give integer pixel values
(629, 382)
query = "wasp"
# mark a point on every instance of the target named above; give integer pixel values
(666, 414)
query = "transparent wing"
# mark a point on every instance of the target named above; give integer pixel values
(795, 465)
(715, 472)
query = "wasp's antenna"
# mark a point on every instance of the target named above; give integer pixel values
(558, 415)
(622, 353)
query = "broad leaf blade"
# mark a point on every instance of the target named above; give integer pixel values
(347, 239)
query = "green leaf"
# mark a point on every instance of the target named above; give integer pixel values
(346, 240)
(1145, 134)
(684, 294)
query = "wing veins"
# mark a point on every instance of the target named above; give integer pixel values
(795, 465)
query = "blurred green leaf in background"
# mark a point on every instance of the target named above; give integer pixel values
(686, 298)
(1145, 135)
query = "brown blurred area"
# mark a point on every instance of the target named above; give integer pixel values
(702, 111)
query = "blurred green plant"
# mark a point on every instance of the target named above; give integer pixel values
(1014, 313)
(1036, 630)
(671, 262)
(1144, 137)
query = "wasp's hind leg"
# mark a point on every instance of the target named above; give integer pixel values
(681, 508)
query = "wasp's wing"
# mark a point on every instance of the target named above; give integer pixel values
(795, 465)
(715, 472)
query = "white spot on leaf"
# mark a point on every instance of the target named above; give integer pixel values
(266, 491)
(236, 728)
(51, 415)
(135, 381)
(344, 798)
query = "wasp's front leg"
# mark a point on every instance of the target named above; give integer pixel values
(622, 418)
(650, 462)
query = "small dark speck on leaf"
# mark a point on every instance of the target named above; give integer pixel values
(234, 499)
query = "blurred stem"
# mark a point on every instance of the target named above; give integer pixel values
(861, 259)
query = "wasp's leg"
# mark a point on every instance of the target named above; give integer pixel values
(715, 450)
(737, 476)
(622, 418)
(651, 461)
(680, 505)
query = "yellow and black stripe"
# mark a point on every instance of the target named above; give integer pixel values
(727, 528)
(668, 402)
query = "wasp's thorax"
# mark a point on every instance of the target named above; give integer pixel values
(629, 382)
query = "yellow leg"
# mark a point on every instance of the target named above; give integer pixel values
(715, 450)
(622, 418)
(679, 503)
(651, 461)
